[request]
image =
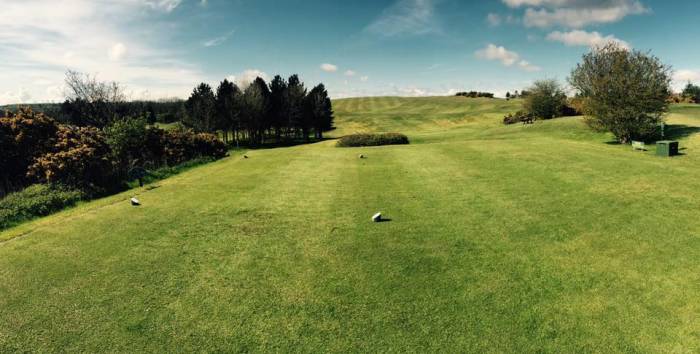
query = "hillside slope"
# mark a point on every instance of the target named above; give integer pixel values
(507, 239)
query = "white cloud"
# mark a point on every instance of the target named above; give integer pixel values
(505, 56)
(494, 19)
(364, 78)
(525, 65)
(493, 52)
(245, 78)
(218, 40)
(329, 68)
(576, 13)
(117, 52)
(407, 17)
(583, 38)
(350, 73)
(687, 75)
(92, 37)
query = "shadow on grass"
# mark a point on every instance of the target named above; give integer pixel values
(384, 220)
(680, 131)
(672, 132)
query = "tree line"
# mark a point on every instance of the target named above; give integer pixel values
(282, 111)
(475, 94)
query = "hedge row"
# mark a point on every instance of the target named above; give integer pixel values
(37, 149)
(358, 140)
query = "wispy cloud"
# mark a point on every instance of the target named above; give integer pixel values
(407, 17)
(587, 39)
(218, 40)
(576, 13)
(506, 57)
(165, 5)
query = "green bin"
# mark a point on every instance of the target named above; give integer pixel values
(666, 148)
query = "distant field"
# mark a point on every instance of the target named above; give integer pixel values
(417, 114)
(541, 238)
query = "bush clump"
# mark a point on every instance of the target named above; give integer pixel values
(35, 201)
(518, 117)
(80, 158)
(358, 140)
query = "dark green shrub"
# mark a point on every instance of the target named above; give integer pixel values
(357, 140)
(209, 145)
(127, 138)
(35, 201)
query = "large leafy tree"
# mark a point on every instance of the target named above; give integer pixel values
(624, 92)
(201, 109)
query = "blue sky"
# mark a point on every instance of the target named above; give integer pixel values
(163, 48)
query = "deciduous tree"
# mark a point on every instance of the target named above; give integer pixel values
(545, 100)
(624, 92)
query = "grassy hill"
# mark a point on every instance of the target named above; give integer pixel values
(502, 238)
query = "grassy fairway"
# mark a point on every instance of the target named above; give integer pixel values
(519, 239)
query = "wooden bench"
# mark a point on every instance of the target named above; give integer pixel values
(639, 145)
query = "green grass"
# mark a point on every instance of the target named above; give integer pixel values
(542, 238)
